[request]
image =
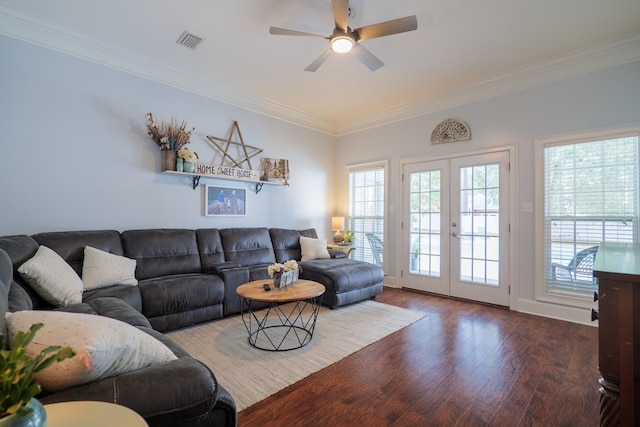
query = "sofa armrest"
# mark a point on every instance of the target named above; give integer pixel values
(166, 394)
(117, 309)
(220, 266)
(336, 254)
(232, 278)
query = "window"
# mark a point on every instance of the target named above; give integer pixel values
(366, 210)
(590, 195)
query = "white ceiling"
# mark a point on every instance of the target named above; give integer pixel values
(463, 50)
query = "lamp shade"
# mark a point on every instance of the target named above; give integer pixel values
(337, 223)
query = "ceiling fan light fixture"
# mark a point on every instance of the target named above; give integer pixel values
(342, 44)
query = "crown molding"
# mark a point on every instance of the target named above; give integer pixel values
(580, 62)
(57, 38)
(52, 36)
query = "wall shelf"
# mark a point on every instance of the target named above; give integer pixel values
(195, 180)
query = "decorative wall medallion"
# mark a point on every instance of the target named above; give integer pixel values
(451, 130)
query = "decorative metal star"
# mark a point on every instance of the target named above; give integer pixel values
(249, 150)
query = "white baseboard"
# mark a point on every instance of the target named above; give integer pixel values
(537, 308)
(391, 282)
(556, 311)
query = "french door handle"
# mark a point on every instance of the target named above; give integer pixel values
(454, 234)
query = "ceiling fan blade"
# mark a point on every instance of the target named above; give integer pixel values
(387, 28)
(366, 57)
(285, 32)
(318, 61)
(341, 13)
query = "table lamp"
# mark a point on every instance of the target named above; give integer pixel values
(337, 224)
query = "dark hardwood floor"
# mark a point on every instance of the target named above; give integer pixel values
(464, 364)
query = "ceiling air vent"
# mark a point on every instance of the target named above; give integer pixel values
(189, 40)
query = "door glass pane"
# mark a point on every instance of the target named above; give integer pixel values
(424, 234)
(479, 224)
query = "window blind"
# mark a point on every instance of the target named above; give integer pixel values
(366, 209)
(590, 196)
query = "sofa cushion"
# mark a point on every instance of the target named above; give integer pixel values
(210, 248)
(104, 347)
(101, 269)
(81, 308)
(180, 292)
(162, 252)
(128, 294)
(247, 246)
(52, 278)
(286, 242)
(70, 244)
(19, 299)
(313, 248)
(116, 308)
(19, 247)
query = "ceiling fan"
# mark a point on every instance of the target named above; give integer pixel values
(344, 39)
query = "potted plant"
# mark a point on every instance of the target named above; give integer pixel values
(348, 236)
(18, 406)
(415, 254)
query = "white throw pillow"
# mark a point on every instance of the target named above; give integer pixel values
(313, 248)
(104, 347)
(52, 278)
(101, 269)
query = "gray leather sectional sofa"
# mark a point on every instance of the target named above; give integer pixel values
(184, 277)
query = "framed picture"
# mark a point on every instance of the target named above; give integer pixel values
(275, 170)
(230, 201)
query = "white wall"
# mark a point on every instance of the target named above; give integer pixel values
(75, 154)
(601, 99)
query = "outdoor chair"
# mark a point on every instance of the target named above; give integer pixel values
(377, 247)
(579, 269)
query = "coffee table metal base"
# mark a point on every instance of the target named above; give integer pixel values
(281, 327)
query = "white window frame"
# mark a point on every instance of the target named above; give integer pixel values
(361, 241)
(541, 293)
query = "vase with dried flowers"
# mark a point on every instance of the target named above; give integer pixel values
(170, 137)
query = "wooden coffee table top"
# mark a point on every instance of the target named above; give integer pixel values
(300, 290)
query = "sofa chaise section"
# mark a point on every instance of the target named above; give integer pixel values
(346, 281)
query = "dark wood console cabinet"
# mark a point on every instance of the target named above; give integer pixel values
(617, 268)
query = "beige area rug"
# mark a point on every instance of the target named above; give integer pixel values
(251, 375)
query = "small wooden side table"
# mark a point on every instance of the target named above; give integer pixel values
(280, 326)
(94, 414)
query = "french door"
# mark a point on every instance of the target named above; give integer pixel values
(456, 227)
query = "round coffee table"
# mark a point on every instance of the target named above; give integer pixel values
(289, 318)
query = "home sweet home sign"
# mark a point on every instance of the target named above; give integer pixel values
(226, 172)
